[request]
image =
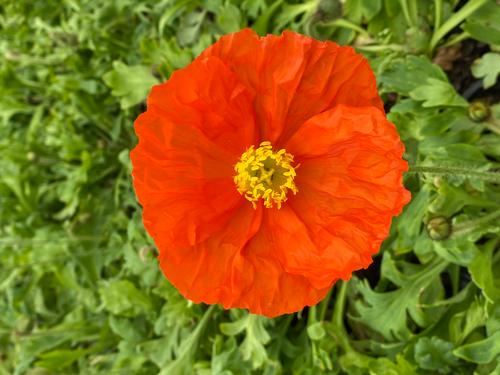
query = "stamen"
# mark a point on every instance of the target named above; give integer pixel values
(265, 174)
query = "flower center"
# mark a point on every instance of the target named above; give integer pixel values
(265, 174)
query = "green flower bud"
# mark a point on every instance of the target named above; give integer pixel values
(437, 181)
(438, 228)
(478, 111)
(31, 156)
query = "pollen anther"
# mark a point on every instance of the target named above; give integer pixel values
(265, 174)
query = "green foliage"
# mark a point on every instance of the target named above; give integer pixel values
(488, 68)
(129, 83)
(80, 288)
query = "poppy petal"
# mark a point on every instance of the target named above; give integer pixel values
(349, 181)
(273, 290)
(313, 77)
(208, 96)
(213, 270)
(189, 140)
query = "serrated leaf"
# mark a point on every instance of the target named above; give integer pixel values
(121, 297)
(437, 93)
(487, 68)
(405, 75)
(482, 274)
(386, 312)
(129, 83)
(435, 354)
(483, 24)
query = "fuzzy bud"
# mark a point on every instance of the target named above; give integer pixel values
(438, 228)
(478, 111)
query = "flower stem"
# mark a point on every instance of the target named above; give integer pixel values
(323, 306)
(338, 317)
(452, 22)
(438, 13)
(468, 226)
(338, 309)
(378, 48)
(340, 22)
(413, 10)
(406, 12)
(456, 171)
(492, 125)
(456, 39)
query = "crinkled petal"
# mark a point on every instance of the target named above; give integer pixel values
(350, 184)
(193, 133)
(240, 266)
(277, 286)
(295, 77)
(213, 271)
(208, 96)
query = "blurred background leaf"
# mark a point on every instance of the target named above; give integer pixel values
(80, 287)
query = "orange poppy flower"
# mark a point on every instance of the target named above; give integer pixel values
(267, 170)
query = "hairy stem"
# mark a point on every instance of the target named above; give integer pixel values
(468, 226)
(456, 171)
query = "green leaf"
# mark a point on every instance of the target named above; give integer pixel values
(435, 354)
(183, 364)
(229, 18)
(316, 331)
(483, 24)
(482, 274)
(121, 297)
(126, 328)
(483, 351)
(129, 83)
(189, 29)
(261, 25)
(487, 68)
(359, 10)
(436, 93)
(386, 313)
(57, 360)
(256, 337)
(405, 75)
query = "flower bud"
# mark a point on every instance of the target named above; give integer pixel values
(437, 181)
(438, 228)
(478, 111)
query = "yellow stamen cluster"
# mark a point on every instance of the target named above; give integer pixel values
(265, 174)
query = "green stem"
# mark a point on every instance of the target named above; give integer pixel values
(338, 317)
(378, 48)
(468, 226)
(413, 9)
(455, 19)
(496, 254)
(406, 12)
(311, 317)
(338, 309)
(346, 25)
(438, 13)
(456, 171)
(323, 306)
(492, 125)
(456, 39)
